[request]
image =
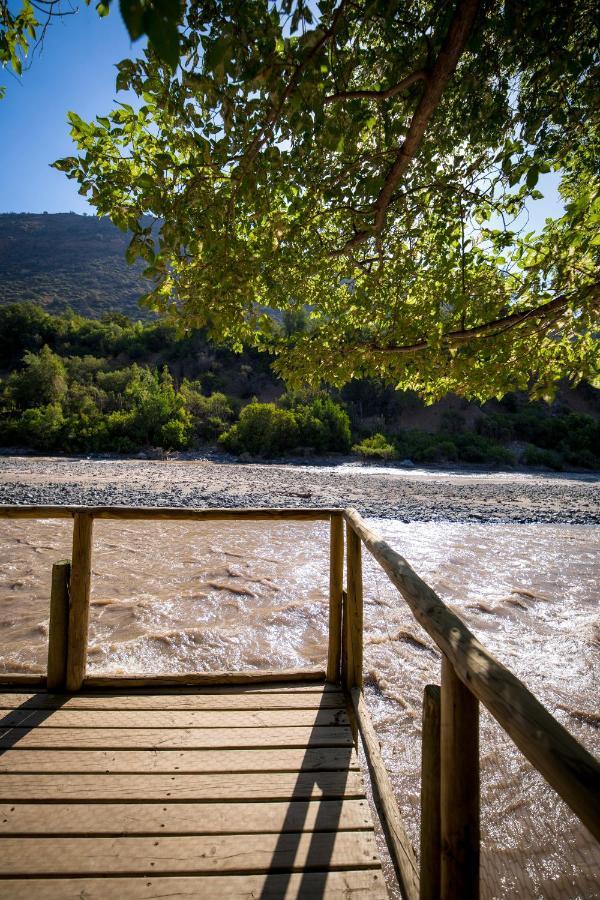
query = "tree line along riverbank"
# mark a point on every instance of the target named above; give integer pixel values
(78, 385)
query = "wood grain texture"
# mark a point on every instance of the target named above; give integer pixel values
(565, 764)
(79, 600)
(174, 738)
(336, 579)
(181, 718)
(58, 629)
(205, 701)
(320, 759)
(430, 856)
(354, 611)
(183, 818)
(178, 514)
(359, 885)
(459, 789)
(213, 854)
(200, 787)
(218, 678)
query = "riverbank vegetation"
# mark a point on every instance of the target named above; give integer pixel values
(72, 384)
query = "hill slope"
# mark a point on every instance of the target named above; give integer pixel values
(60, 260)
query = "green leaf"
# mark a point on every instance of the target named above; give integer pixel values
(532, 177)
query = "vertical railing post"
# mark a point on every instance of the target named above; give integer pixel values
(430, 856)
(353, 626)
(58, 628)
(79, 600)
(459, 788)
(336, 579)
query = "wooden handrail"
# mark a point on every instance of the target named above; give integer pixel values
(301, 513)
(565, 764)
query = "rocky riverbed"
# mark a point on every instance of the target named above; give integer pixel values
(396, 493)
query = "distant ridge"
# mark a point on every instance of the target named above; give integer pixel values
(59, 260)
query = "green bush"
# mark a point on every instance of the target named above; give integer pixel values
(536, 456)
(375, 447)
(440, 451)
(265, 429)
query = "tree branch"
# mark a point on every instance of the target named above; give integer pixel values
(379, 96)
(551, 310)
(443, 69)
(291, 86)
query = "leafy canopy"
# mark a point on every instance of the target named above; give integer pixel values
(27, 26)
(369, 162)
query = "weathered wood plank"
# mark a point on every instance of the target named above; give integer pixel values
(246, 700)
(175, 738)
(336, 584)
(320, 759)
(58, 629)
(179, 514)
(365, 884)
(430, 860)
(193, 718)
(199, 678)
(21, 681)
(459, 788)
(183, 818)
(79, 601)
(201, 787)
(241, 853)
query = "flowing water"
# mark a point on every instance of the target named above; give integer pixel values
(177, 597)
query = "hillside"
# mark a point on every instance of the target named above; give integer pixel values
(67, 260)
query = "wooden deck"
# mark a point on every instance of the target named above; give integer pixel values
(245, 791)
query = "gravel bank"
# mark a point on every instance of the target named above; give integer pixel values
(406, 495)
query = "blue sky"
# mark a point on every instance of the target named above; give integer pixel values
(75, 71)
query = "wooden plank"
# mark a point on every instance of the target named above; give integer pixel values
(336, 584)
(178, 514)
(174, 738)
(184, 718)
(365, 884)
(565, 764)
(401, 849)
(21, 680)
(200, 678)
(431, 850)
(79, 600)
(200, 787)
(320, 759)
(459, 788)
(241, 853)
(229, 701)
(295, 686)
(59, 625)
(183, 818)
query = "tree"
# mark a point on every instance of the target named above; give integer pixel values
(367, 162)
(25, 28)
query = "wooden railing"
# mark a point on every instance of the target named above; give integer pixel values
(449, 847)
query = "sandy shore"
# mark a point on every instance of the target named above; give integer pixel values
(404, 494)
